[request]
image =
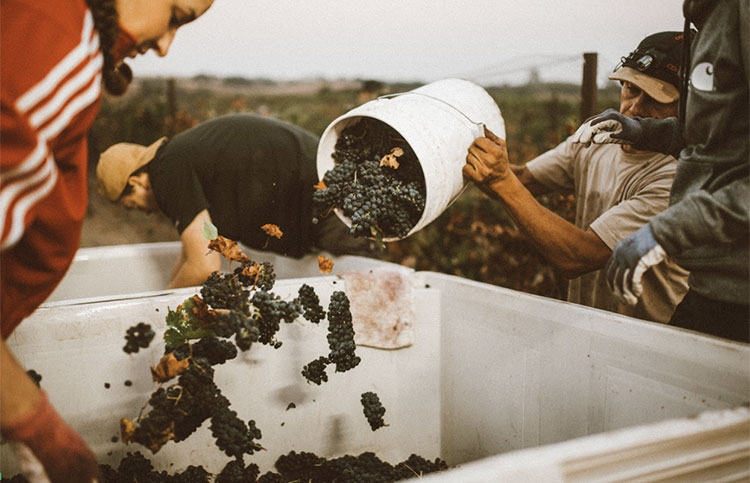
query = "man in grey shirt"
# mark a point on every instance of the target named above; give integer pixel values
(617, 190)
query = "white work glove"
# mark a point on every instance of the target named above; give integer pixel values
(631, 258)
(31, 468)
(609, 127)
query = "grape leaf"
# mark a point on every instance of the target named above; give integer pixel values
(320, 185)
(184, 325)
(210, 232)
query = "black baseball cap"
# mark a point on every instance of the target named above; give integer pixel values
(654, 66)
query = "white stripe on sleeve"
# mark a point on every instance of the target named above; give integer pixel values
(44, 87)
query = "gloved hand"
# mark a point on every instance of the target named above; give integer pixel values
(629, 261)
(609, 127)
(64, 454)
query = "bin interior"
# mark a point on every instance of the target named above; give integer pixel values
(491, 371)
(111, 271)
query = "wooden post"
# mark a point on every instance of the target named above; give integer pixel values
(588, 86)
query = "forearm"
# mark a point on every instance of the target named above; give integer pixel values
(564, 245)
(188, 275)
(19, 395)
(178, 264)
(528, 180)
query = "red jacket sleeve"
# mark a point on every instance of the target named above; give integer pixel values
(49, 95)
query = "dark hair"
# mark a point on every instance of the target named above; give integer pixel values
(116, 77)
(128, 187)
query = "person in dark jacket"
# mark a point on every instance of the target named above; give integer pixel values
(706, 228)
(238, 172)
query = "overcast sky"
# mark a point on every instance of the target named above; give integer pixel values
(487, 41)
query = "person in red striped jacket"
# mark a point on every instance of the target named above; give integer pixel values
(56, 54)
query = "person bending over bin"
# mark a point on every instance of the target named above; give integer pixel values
(706, 226)
(617, 189)
(238, 172)
(56, 54)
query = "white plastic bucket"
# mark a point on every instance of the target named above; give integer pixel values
(439, 120)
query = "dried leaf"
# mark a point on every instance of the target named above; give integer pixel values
(320, 185)
(229, 249)
(272, 230)
(160, 439)
(252, 272)
(391, 159)
(201, 311)
(127, 428)
(325, 265)
(169, 367)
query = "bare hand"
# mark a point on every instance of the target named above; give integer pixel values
(487, 163)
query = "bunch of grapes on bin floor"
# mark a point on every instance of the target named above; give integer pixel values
(379, 200)
(367, 467)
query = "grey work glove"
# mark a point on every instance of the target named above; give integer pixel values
(610, 126)
(631, 258)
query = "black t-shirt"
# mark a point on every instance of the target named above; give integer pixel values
(246, 171)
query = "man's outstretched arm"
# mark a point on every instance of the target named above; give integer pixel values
(196, 261)
(567, 247)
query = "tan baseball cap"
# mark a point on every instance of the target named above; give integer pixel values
(118, 162)
(654, 65)
(660, 90)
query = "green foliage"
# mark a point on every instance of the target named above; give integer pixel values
(183, 325)
(209, 230)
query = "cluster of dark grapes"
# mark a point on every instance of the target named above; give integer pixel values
(292, 467)
(273, 310)
(366, 467)
(138, 337)
(340, 342)
(233, 436)
(377, 199)
(310, 302)
(264, 279)
(341, 333)
(135, 467)
(230, 305)
(180, 409)
(373, 409)
(226, 291)
(236, 294)
(315, 371)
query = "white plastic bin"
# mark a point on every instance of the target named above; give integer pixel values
(492, 372)
(116, 271)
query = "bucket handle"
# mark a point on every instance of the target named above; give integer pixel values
(479, 125)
